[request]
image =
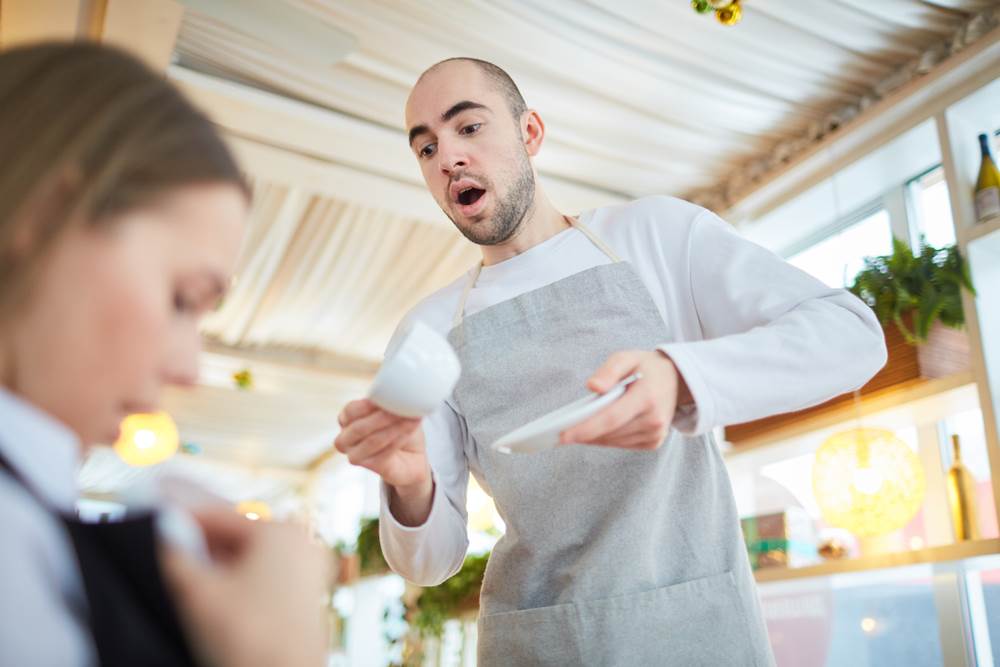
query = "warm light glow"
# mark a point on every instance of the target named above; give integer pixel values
(916, 542)
(144, 438)
(147, 439)
(483, 516)
(255, 510)
(868, 624)
(867, 481)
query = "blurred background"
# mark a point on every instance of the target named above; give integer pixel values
(820, 130)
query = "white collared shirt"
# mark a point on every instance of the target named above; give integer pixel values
(42, 603)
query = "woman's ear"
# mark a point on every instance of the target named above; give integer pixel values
(45, 212)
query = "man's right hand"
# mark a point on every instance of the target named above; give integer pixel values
(393, 448)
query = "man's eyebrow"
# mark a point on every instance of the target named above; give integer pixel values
(458, 108)
(416, 131)
(455, 109)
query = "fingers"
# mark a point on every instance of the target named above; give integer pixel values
(355, 410)
(638, 441)
(617, 367)
(361, 428)
(383, 439)
(615, 416)
(226, 532)
(638, 425)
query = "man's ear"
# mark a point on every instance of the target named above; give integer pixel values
(532, 131)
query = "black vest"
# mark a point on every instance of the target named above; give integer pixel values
(131, 617)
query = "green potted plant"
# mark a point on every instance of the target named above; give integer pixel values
(923, 288)
(918, 300)
(458, 594)
(369, 550)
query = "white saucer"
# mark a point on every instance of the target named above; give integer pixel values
(543, 433)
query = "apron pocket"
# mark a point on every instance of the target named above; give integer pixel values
(546, 636)
(697, 622)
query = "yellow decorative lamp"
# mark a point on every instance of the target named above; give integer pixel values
(867, 481)
(255, 510)
(147, 439)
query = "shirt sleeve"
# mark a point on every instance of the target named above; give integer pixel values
(39, 624)
(432, 552)
(774, 339)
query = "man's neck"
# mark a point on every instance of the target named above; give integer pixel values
(541, 223)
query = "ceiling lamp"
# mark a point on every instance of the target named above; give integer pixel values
(728, 12)
(147, 439)
(867, 481)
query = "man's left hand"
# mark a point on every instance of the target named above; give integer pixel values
(641, 418)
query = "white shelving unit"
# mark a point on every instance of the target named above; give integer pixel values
(960, 101)
(958, 128)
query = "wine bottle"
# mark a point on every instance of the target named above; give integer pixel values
(988, 184)
(962, 496)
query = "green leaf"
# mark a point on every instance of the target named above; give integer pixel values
(928, 284)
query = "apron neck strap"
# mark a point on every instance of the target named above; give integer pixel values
(573, 222)
(469, 284)
(595, 239)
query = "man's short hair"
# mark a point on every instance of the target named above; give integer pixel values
(498, 77)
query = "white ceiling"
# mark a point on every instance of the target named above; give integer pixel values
(639, 96)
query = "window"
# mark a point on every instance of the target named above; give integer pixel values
(838, 257)
(982, 582)
(930, 209)
(887, 617)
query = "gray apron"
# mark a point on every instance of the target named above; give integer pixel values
(610, 557)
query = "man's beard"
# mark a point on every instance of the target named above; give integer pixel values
(510, 211)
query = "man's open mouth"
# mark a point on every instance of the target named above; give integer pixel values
(470, 195)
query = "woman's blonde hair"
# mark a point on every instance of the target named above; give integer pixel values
(88, 132)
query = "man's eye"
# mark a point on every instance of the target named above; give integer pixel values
(471, 129)
(428, 150)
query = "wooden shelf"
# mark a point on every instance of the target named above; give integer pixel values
(875, 402)
(942, 554)
(980, 230)
(943, 354)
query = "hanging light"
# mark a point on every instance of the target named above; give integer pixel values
(867, 481)
(147, 439)
(255, 510)
(730, 14)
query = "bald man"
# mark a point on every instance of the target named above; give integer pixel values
(622, 544)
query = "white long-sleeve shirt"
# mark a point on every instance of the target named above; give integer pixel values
(42, 603)
(752, 336)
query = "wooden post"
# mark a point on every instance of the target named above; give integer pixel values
(146, 28)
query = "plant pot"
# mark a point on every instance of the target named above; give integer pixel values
(348, 569)
(946, 352)
(469, 605)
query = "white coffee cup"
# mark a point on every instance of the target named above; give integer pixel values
(419, 372)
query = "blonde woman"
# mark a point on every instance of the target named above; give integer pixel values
(121, 213)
